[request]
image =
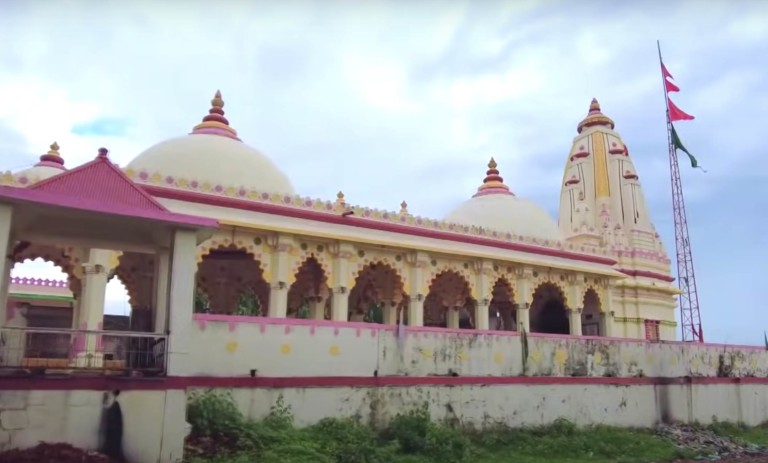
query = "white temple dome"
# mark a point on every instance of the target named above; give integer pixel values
(494, 207)
(212, 153)
(50, 164)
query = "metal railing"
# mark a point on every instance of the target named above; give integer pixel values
(62, 350)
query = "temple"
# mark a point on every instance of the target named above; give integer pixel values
(235, 281)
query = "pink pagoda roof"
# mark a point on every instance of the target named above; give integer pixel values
(100, 186)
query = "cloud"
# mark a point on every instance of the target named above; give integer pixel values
(390, 103)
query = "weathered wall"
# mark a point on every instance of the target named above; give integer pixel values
(233, 346)
(153, 421)
(523, 405)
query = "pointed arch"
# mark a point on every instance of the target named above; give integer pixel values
(377, 293)
(234, 281)
(502, 315)
(549, 313)
(449, 302)
(308, 294)
(592, 314)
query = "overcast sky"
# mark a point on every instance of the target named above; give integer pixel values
(393, 100)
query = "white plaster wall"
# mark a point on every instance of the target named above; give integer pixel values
(521, 405)
(151, 419)
(277, 348)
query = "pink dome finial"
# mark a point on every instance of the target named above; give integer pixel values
(493, 183)
(215, 123)
(103, 152)
(52, 158)
(594, 117)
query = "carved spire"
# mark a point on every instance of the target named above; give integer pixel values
(340, 198)
(52, 158)
(404, 208)
(594, 117)
(493, 183)
(215, 123)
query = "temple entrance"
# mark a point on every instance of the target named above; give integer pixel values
(502, 315)
(308, 296)
(230, 281)
(449, 303)
(592, 315)
(548, 310)
(378, 295)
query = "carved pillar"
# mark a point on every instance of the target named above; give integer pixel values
(417, 291)
(6, 262)
(524, 296)
(574, 320)
(281, 246)
(342, 276)
(484, 285)
(162, 280)
(91, 314)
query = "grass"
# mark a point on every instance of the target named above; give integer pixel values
(411, 437)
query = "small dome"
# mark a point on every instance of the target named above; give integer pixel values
(494, 207)
(51, 163)
(212, 153)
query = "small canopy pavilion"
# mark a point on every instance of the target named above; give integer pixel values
(96, 207)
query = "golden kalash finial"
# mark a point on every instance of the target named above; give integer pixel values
(54, 151)
(215, 123)
(493, 182)
(340, 198)
(52, 157)
(404, 208)
(594, 117)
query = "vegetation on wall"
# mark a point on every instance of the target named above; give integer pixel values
(249, 304)
(221, 434)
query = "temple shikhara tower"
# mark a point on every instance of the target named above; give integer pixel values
(602, 204)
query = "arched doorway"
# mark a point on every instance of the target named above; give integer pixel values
(502, 315)
(233, 283)
(449, 303)
(131, 292)
(592, 316)
(548, 310)
(308, 295)
(378, 295)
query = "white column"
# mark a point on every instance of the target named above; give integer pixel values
(389, 307)
(416, 311)
(317, 308)
(523, 317)
(181, 299)
(162, 279)
(340, 304)
(574, 320)
(91, 314)
(481, 315)
(6, 264)
(278, 300)
(452, 317)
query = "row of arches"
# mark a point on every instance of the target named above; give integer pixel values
(231, 281)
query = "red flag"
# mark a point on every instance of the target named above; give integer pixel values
(671, 87)
(666, 73)
(677, 114)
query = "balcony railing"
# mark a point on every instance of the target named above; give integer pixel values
(50, 350)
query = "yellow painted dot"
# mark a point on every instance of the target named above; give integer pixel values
(536, 356)
(334, 350)
(285, 349)
(426, 353)
(232, 346)
(561, 355)
(597, 359)
(461, 355)
(498, 358)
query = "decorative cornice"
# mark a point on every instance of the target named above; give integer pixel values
(206, 192)
(39, 282)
